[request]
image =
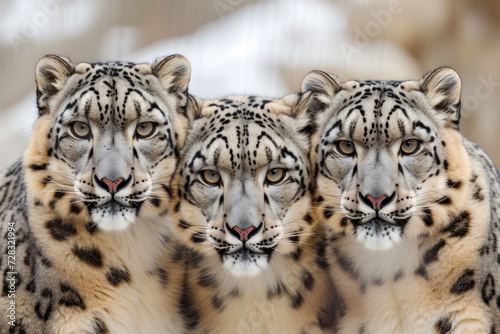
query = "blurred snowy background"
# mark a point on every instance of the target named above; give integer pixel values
(257, 47)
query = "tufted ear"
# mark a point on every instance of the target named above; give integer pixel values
(193, 110)
(320, 82)
(303, 111)
(293, 105)
(442, 87)
(51, 73)
(323, 86)
(302, 107)
(174, 73)
(296, 106)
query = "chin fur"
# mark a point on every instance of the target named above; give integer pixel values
(113, 222)
(377, 240)
(245, 268)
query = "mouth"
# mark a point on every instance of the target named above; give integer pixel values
(114, 204)
(246, 252)
(243, 255)
(379, 224)
(113, 215)
(115, 207)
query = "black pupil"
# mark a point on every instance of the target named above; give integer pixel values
(143, 127)
(82, 128)
(274, 173)
(347, 147)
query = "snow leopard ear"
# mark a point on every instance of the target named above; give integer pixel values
(174, 73)
(293, 105)
(296, 106)
(320, 82)
(193, 110)
(51, 73)
(323, 86)
(304, 112)
(443, 87)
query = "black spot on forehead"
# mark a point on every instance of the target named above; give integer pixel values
(110, 93)
(112, 64)
(393, 83)
(374, 113)
(242, 132)
(242, 117)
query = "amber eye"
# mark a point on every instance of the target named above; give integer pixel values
(275, 175)
(145, 129)
(410, 146)
(210, 177)
(80, 130)
(345, 147)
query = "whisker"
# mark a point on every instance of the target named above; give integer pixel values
(336, 196)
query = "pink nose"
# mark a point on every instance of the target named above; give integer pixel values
(244, 233)
(376, 201)
(112, 185)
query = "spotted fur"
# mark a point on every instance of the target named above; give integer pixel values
(266, 281)
(86, 256)
(421, 254)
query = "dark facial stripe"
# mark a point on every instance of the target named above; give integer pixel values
(337, 124)
(419, 124)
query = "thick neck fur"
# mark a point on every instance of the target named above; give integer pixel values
(295, 294)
